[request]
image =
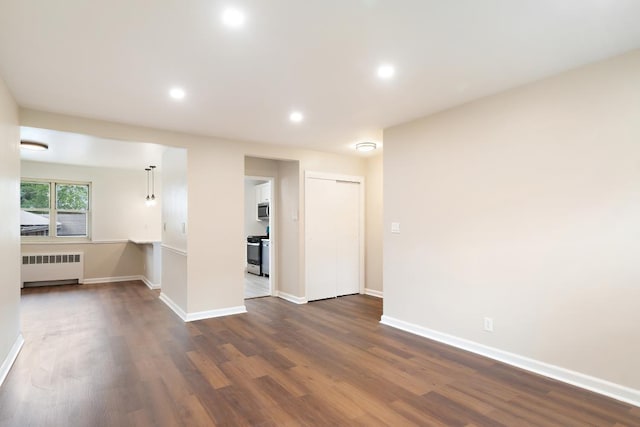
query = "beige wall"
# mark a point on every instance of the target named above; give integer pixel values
(10, 223)
(175, 226)
(101, 260)
(524, 207)
(118, 211)
(288, 229)
(216, 170)
(373, 219)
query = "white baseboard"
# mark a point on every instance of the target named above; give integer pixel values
(200, 315)
(96, 280)
(11, 357)
(150, 285)
(292, 298)
(597, 385)
(373, 292)
(173, 306)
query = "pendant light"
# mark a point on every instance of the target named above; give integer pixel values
(153, 185)
(148, 199)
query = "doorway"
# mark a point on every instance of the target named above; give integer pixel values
(258, 214)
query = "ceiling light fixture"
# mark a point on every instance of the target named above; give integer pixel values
(366, 146)
(296, 117)
(33, 145)
(233, 18)
(386, 71)
(177, 93)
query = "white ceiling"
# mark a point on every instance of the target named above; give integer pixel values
(116, 60)
(86, 150)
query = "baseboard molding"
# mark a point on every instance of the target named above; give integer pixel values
(150, 285)
(97, 280)
(173, 306)
(596, 385)
(11, 357)
(292, 298)
(373, 292)
(200, 315)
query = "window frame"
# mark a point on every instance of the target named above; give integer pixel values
(53, 210)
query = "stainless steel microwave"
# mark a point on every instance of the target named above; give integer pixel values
(263, 210)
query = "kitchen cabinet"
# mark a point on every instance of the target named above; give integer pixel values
(263, 193)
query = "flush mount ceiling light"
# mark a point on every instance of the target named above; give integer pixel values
(33, 145)
(366, 146)
(233, 18)
(177, 93)
(296, 117)
(386, 71)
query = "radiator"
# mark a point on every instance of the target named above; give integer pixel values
(52, 267)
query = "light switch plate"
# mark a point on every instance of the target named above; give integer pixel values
(395, 227)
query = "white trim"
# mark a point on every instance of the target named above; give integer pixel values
(173, 306)
(73, 242)
(150, 285)
(597, 385)
(11, 358)
(220, 312)
(174, 250)
(291, 298)
(96, 280)
(373, 293)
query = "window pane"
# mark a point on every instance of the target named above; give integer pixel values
(34, 195)
(34, 223)
(72, 197)
(71, 224)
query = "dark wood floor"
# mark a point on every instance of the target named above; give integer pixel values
(114, 355)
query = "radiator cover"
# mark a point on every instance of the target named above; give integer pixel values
(52, 267)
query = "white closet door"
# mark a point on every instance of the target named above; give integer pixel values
(320, 248)
(347, 233)
(332, 243)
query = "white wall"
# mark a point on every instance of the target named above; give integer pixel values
(175, 226)
(524, 207)
(9, 229)
(118, 210)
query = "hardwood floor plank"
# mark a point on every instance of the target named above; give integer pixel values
(114, 355)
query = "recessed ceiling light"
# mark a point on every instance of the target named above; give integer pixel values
(233, 18)
(33, 145)
(366, 146)
(386, 71)
(296, 117)
(177, 93)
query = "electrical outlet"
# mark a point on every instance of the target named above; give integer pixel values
(395, 227)
(488, 324)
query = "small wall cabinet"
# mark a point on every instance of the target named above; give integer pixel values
(263, 193)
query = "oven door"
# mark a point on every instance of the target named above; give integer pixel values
(253, 258)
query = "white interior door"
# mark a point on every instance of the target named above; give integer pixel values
(332, 243)
(320, 248)
(347, 234)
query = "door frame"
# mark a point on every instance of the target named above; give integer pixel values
(361, 219)
(273, 210)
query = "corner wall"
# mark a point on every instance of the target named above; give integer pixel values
(525, 207)
(10, 338)
(374, 224)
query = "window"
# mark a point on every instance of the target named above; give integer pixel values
(54, 209)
